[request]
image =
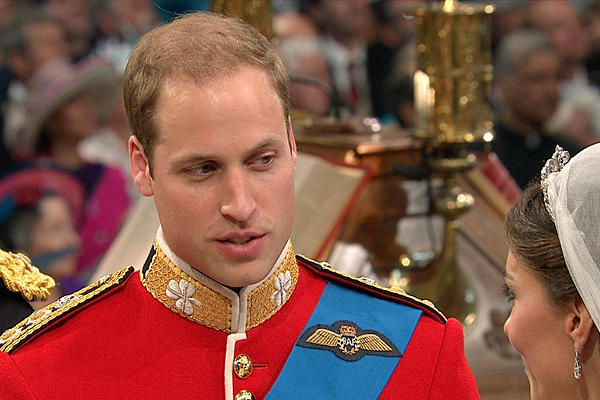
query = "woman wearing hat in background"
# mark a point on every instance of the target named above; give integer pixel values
(38, 213)
(553, 278)
(65, 108)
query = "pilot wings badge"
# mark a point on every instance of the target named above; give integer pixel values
(348, 341)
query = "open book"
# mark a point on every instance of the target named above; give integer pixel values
(325, 195)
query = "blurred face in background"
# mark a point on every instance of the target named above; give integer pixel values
(311, 85)
(531, 92)
(54, 243)
(307, 97)
(558, 19)
(347, 20)
(75, 16)
(45, 42)
(74, 121)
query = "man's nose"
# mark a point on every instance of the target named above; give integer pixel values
(238, 202)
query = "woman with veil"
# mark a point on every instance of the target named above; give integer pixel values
(553, 278)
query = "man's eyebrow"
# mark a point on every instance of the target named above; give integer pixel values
(508, 276)
(265, 143)
(193, 158)
(200, 157)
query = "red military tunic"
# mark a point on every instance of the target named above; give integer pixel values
(165, 333)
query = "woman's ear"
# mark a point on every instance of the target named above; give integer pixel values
(579, 324)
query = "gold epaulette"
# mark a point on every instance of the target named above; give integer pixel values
(393, 293)
(20, 276)
(14, 337)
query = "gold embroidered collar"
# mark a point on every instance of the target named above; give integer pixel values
(211, 304)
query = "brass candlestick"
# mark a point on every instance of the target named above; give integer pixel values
(452, 104)
(256, 12)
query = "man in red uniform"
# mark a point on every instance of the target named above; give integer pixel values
(223, 308)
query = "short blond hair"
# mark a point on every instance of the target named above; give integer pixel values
(200, 47)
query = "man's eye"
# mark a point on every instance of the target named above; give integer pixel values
(201, 169)
(265, 159)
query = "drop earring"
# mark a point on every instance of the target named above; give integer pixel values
(577, 365)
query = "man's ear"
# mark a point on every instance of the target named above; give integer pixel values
(579, 324)
(292, 143)
(140, 168)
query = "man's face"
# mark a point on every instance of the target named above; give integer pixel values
(307, 97)
(561, 24)
(74, 121)
(223, 175)
(45, 42)
(348, 18)
(532, 92)
(54, 233)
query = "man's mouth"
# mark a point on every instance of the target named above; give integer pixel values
(241, 245)
(240, 240)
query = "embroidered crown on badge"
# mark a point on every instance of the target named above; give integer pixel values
(351, 343)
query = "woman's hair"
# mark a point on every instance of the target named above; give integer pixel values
(533, 239)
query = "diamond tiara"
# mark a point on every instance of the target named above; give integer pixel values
(554, 164)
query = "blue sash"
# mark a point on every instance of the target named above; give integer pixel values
(319, 374)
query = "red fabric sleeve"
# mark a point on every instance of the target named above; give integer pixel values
(453, 379)
(12, 384)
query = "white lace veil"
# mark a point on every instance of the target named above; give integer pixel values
(573, 199)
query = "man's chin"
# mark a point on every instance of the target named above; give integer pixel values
(235, 278)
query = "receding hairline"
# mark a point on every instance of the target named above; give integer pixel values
(196, 47)
(518, 47)
(168, 39)
(176, 78)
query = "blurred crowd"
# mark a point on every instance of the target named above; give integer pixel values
(65, 187)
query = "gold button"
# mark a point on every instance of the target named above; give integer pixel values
(242, 366)
(244, 395)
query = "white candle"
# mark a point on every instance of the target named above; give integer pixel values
(422, 100)
(448, 6)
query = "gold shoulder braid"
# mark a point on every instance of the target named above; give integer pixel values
(20, 276)
(14, 337)
(326, 269)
